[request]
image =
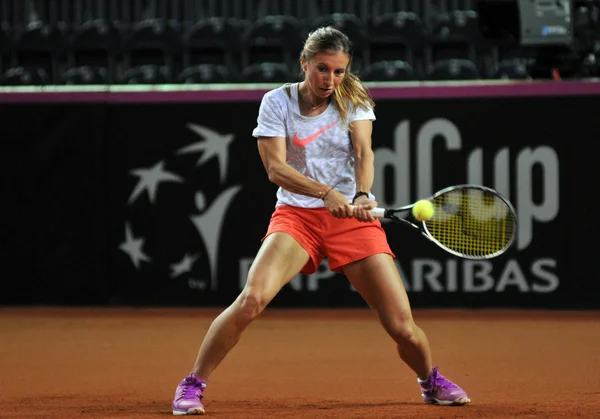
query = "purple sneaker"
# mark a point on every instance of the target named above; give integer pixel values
(188, 396)
(437, 389)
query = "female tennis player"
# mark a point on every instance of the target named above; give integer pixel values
(314, 138)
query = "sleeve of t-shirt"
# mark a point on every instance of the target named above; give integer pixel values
(361, 114)
(270, 121)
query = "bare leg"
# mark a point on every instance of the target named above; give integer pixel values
(279, 259)
(378, 282)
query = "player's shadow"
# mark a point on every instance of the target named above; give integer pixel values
(346, 405)
(229, 408)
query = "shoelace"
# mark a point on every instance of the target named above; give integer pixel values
(193, 389)
(438, 381)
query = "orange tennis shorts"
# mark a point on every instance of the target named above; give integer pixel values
(341, 240)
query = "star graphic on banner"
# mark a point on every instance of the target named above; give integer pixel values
(133, 248)
(214, 144)
(185, 265)
(150, 179)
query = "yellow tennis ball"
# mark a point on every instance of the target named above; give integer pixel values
(423, 210)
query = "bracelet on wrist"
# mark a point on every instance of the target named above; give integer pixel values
(359, 194)
(325, 194)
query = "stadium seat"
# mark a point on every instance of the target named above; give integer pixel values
(96, 43)
(390, 70)
(273, 38)
(586, 22)
(205, 73)
(453, 70)
(454, 35)
(508, 52)
(151, 42)
(25, 76)
(514, 68)
(459, 25)
(594, 60)
(356, 30)
(213, 41)
(147, 74)
(396, 36)
(86, 75)
(40, 44)
(266, 73)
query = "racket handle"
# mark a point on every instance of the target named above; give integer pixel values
(376, 212)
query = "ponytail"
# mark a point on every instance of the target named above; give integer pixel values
(351, 92)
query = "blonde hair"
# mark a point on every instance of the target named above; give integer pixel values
(351, 90)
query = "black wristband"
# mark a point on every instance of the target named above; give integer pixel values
(358, 194)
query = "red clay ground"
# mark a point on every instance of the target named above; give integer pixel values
(125, 363)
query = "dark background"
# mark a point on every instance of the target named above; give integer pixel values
(67, 180)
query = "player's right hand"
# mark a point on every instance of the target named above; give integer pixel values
(362, 209)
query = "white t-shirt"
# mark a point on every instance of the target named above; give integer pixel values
(319, 147)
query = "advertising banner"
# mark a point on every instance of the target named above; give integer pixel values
(166, 203)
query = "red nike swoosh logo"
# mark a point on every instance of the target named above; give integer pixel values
(303, 142)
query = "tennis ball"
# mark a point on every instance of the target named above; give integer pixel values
(423, 210)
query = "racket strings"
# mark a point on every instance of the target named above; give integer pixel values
(472, 223)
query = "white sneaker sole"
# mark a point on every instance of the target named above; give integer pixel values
(193, 411)
(458, 402)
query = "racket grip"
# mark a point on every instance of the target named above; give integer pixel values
(376, 212)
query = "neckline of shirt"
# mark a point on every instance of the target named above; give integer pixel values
(295, 103)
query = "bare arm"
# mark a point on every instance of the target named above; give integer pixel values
(364, 156)
(272, 152)
(365, 167)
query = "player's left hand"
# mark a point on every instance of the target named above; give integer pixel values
(362, 209)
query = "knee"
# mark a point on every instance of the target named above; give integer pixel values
(250, 304)
(402, 329)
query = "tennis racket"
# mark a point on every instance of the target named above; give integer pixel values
(470, 221)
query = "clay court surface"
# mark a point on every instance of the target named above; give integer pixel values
(126, 363)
